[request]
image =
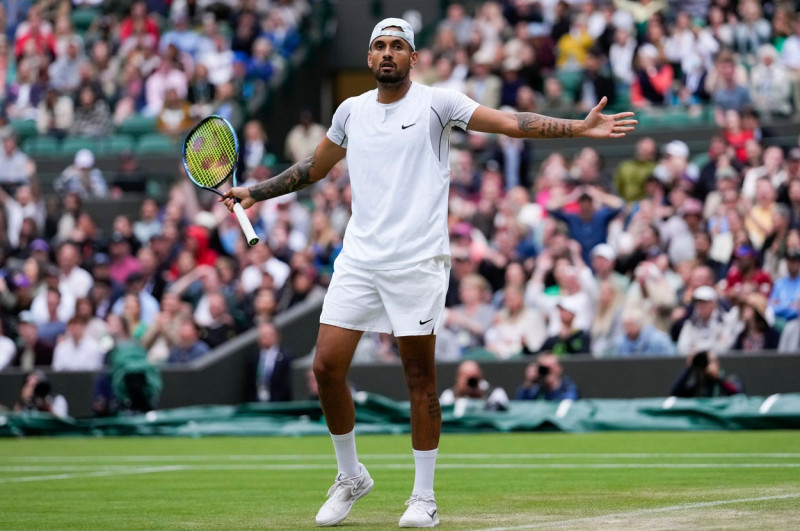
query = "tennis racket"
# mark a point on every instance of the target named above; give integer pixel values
(210, 156)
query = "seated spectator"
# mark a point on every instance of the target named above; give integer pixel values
(641, 339)
(758, 334)
(37, 395)
(595, 84)
(730, 94)
(175, 118)
(745, 276)
(50, 314)
(516, 328)
(8, 350)
(22, 97)
(148, 223)
(92, 115)
(545, 380)
(471, 384)
(772, 169)
(570, 340)
(631, 174)
(705, 329)
(147, 304)
(77, 351)
(652, 78)
(31, 350)
(470, 319)
(269, 373)
(607, 322)
(189, 346)
(55, 114)
(64, 71)
(73, 278)
(703, 377)
(15, 166)
(652, 292)
(82, 177)
(759, 218)
(221, 327)
(770, 84)
(123, 262)
(786, 290)
(24, 208)
(130, 177)
(303, 137)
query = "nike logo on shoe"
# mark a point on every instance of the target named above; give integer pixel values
(421, 322)
(407, 126)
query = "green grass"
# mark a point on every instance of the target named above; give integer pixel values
(699, 480)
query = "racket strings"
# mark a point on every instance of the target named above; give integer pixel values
(210, 153)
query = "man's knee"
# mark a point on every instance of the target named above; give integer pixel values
(327, 369)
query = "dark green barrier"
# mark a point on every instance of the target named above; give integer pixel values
(378, 414)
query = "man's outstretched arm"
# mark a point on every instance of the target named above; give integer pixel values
(301, 174)
(532, 125)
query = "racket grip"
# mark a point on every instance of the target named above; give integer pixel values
(244, 221)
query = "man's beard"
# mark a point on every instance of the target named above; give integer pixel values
(390, 79)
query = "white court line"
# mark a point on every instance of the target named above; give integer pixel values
(442, 456)
(642, 512)
(96, 474)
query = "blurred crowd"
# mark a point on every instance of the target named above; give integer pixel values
(668, 252)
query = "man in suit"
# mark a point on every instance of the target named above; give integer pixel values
(270, 372)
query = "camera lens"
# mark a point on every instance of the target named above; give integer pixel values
(543, 370)
(473, 382)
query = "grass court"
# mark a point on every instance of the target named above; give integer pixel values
(608, 480)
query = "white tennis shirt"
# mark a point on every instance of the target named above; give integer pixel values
(397, 155)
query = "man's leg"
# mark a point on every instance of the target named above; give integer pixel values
(335, 349)
(417, 354)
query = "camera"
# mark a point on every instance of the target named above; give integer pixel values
(543, 370)
(700, 360)
(473, 382)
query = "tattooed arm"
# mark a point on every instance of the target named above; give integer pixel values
(300, 175)
(532, 125)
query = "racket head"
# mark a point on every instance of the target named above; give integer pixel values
(210, 152)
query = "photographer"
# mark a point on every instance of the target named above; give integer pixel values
(37, 395)
(471, 384)
(703, 377)
(545, 380)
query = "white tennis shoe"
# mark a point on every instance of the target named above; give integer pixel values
(342, 495)
(421, 512)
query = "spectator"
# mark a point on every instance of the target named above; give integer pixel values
(24, 206)
(640, 339)
(175, 118)
(652, 78)
(607, 322)
(758, 334)
(92, 114)
(770, 84)
(64, 71)
(162, 336)
(730, 94)
(221, 326)
(630, 175)
(270, 373)
(8, 349)
(745, 276)
(25, 93)
(73, 279)
(759, 218)
(545, 380)
(470, 319)
(705, 330)
(303, 137)
(471, 384)
(515, 328)
(37, 395)
(123, 263)
(595, 84)
(15, 166)
(55, 114)
(573, 47)
(786, 290)
(189, 347)
(130, 177)
(77, 351)
(570, 340)
(52, 314)
(481, 85)
(703, 377)
(82, 177)
(621, 56)
(31, 350)
(752, 31)
(168, 75)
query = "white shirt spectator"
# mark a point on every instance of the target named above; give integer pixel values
(7, 351)
(78, 282)
(85, 355)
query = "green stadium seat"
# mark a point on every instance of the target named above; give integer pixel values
(137, 125)
(157, 143)
(72, 144)
(82, 18)
(24, 129)
(116, 144)
(42, 146)
(571, 81)
(479, 354)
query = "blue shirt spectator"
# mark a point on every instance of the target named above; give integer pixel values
(189, 346)
(786, 291)
(545, 380)
(638, 339)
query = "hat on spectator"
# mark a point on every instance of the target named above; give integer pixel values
(704, 293)
(727, 172)
(101, 259)
(569, 303)
(744, 251)
(84, 158)
(462, 228)
(604, 250)
(692, 206)
(648, 50)
(26, 316)
(39, 245)
(677, 148)
(21, 280)
(794, 154)
(406, 32)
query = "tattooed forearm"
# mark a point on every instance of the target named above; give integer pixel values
(297, 177)
(539, 126)
(434, 409)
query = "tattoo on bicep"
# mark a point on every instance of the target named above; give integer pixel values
(434, 409)
(297, 177)
(543, 126)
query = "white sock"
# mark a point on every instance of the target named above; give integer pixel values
(346, 456)
(424, 467)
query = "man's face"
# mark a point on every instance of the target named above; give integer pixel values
(704, 309)
(632, 328)
(391, 59)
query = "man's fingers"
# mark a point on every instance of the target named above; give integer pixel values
(601, 105)
(621, 115)
(626, 122)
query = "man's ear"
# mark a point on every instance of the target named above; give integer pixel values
(369, 60)
(414, 58)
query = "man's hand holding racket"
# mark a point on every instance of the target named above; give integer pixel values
(242, 194)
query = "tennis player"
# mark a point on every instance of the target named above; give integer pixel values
(392, 273)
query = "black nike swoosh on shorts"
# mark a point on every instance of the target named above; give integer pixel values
(421, 322)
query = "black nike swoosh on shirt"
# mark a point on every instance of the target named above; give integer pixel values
(421, 322)
(407, 126)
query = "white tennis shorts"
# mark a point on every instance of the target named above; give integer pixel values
(406, 302)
